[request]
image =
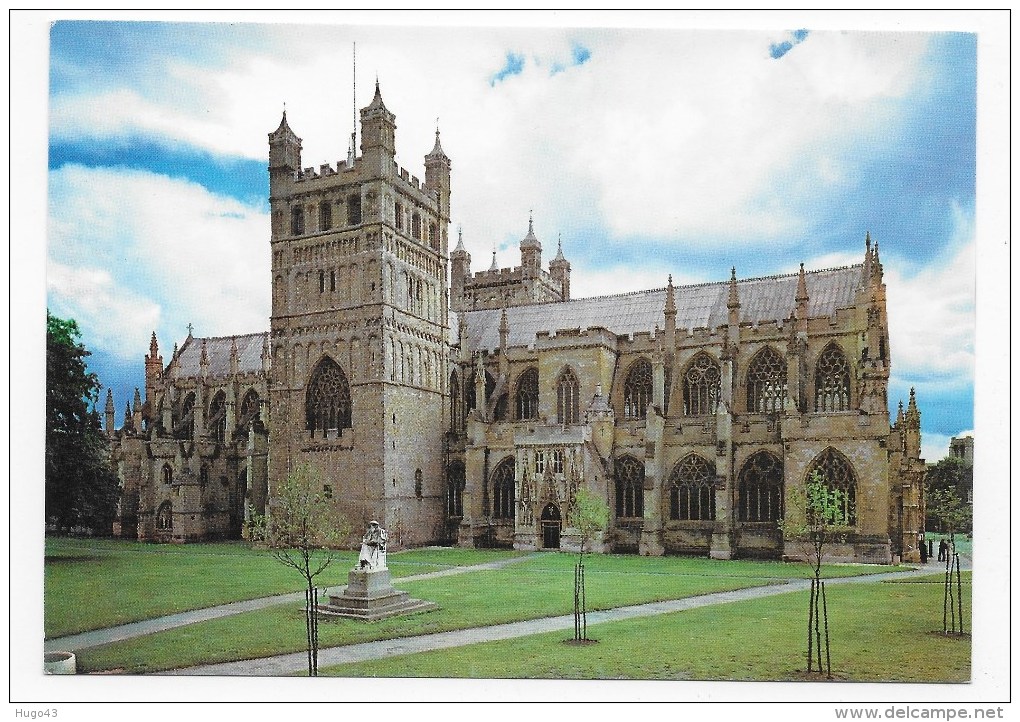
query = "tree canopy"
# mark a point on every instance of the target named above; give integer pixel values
(82, 489)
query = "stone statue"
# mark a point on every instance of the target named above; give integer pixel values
(373, 548)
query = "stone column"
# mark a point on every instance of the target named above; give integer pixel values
(722, 536)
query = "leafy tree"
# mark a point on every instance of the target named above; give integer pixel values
(817, 515)
(952, 514)
(82, 489)
(303, 530)
(589, 515)
(951, 475)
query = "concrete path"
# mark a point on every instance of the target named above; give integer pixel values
(159, 624)
(298, 661)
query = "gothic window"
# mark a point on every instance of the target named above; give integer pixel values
(217, 424)
(556, 461)
(354, 209)
(691, 496)
(168, 474)
(434, 235)
(527, 395)
(297, 221)
(766, 382)
(701, 386)
(471, 400)
(832, 381)
(637, 390)
(249, 409)
(203, 475)
(539, 463)
(322, 281)
(567, 398)
(630, 481)
(836, 473)
(184, 427)
(165, 517)
(416, 226)
(325, 215)
(503, 490)
(761, 488)
(398, 216)
(456, 417)
(328, 401)
(455, 490)
(418, 483)
(332, 280)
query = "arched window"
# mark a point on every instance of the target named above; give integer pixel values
(297, 221)
(832, 380)
(322, 281)
(455, 490)
(837, 473)
(567, 398)
(761, 488)
(184, 425)
(701, 386)
(217, 423)
(470, 395)
(434, 235)
(456, 417)
(527, 395)
(637, 390)
(418, 484)
(249, 409)
(165, 517)
(630, 484)
(503, 490)
(416, 227)
(328, 401)
(325, 215)
(766, 382)
(691, 493)
(354, 209)
(168, 474)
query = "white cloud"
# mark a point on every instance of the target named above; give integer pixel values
(931, 320)
(659, 133)
(113, 318)
(171, 252)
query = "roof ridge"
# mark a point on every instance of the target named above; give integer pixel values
(224, 338)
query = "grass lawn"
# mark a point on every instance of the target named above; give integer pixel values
(95, 583)
(536, 587)
(879, 632)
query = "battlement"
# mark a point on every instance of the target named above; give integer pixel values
(325, 171)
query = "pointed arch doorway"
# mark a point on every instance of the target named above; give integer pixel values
(551, 526)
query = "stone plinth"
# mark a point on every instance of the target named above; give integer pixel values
(370, 596)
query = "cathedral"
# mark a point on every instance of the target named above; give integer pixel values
(468, 408)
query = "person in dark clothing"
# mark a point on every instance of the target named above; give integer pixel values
(931, 546)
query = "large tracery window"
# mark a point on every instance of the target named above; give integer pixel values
(455, 483)
(832, 381)
(630, 483)
(503, 490)
(637, 390)
(766, 383)
(761, 488)
(701, 386)
(837, 473)
(470, 395)
(217, 423)
(567, 398)
(691, 492)
(184, 421)
(328, 403)
(527, 395)
(249, 409)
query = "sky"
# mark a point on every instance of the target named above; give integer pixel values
(645, 152)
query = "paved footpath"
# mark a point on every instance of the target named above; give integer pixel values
(298, 661)
(159, 624)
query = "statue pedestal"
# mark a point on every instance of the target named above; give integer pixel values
(370, 596)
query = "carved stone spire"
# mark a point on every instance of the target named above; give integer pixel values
(734, 297)
(235, 364)
(203, 362)
(913, 416)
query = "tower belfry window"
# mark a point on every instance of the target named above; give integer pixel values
(354, 209)
(297, 221)
(325, 215)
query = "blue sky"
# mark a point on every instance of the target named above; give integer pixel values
(649, 152)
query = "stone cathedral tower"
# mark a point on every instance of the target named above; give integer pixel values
(359, 327)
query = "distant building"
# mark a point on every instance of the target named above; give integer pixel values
(962, 448)
(469, 408)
